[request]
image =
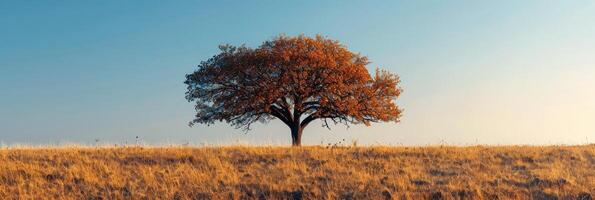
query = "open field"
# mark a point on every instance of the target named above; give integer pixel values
(508, 172)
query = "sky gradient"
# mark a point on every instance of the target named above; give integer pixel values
(502, 72)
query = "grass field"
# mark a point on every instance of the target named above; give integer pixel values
(507, 172)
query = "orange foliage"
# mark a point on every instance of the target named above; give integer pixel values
(295, 79)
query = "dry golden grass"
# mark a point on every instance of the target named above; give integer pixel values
(511, 172)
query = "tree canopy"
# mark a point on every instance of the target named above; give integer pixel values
(294, 79)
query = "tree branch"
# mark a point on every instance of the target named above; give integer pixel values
(277, 112)
(307, 120)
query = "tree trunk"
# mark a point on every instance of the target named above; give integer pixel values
(296, 135)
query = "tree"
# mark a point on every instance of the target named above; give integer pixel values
(294, 79)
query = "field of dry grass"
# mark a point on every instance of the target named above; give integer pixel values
(509, 172)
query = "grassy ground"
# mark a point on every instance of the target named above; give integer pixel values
(511, 172)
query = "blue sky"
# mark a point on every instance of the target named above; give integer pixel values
(501, 72)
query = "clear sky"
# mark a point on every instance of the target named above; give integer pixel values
(474, 72)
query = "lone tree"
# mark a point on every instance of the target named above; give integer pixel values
(295, 79)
